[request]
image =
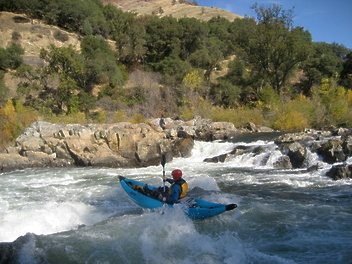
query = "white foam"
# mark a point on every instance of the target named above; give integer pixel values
(47, 218)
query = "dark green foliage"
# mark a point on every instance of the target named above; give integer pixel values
(346, 74)
(3, 89)
(60, 36)
(326, 61)
(272, 47)
(100, 62)
(174, 69)
(10, 58)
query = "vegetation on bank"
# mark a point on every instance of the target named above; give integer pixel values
(268, 72)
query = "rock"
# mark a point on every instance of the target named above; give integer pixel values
(124, 144)
(283, 162)
(295, 137)
(340, 172)
(239, 150)
(10, 162)
(258, 129)
(220, 158)
(347, 145)
(183, 147)
(297, 154)
(332, 151)
(313, 168)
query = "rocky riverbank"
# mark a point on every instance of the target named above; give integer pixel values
(138, 145)
(112, 145)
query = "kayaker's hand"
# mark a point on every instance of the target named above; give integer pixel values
(161, 198)
(164, 179)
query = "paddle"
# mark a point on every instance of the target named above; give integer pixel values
(163, 162)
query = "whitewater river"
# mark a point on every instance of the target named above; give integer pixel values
(82, 215)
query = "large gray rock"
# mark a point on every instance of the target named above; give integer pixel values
(297, 154)
(332, 151)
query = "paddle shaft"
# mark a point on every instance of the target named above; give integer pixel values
(163, 162)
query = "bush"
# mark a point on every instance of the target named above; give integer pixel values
(16, 36)
(14, 117)
(290, 120)
(60, 36)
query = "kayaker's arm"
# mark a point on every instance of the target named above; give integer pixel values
(171, 181)
(175, 195)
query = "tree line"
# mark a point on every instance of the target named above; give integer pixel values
(274, 65)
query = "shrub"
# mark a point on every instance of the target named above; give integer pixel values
(137, 119)
(60, 36)
(16, 36)
(290, 120)
(14, 117)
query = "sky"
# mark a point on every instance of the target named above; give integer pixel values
(327, 20)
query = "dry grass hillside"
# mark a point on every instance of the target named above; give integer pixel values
(170, 7)
(32, 35)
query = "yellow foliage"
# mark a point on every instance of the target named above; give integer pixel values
(118, 116)
(187, 113)
(290, 120)
(102, 116)
(192, 80)
(13, 119)
(73, 118)
(137, 119)
(349, 97)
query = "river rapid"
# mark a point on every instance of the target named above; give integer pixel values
(82, 215)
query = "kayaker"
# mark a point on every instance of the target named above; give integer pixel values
(178, 188)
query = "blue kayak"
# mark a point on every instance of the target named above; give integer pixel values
(146, 196)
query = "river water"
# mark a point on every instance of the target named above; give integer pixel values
(82, 215)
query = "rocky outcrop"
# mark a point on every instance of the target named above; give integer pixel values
(333, 146)
(110, 145)
(341, 171)
(115, 145)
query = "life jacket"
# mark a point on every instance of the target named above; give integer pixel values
(184, 188)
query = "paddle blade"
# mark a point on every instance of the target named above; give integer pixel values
(163, 160)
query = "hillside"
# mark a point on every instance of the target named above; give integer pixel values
(166, 8)
(33, 35)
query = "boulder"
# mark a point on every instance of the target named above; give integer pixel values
(10, 162)
(283, 162)
(340, 172)
(297, 154)
(183, 147)
(347, 145)
(220, 158)
(332, 151)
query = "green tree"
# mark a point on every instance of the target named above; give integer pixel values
(346, 73)
(162, 39)
(226, 94)
(66, 62)
(273, 47)
(194, 33)
(100, 63)
(326, 61)
(208, 57)
(11, 57)
(4, 90)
